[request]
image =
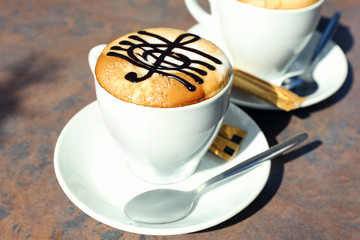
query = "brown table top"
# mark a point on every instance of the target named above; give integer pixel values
(313, 192)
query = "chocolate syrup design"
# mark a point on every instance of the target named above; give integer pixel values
(162, 57)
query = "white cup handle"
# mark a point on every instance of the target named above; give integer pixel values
(94, 55)
(200, 14)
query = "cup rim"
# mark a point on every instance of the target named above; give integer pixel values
(284, 11)
(174, 109)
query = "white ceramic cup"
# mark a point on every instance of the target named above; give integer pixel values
(163, 145)
(262, 42)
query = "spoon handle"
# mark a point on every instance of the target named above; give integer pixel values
(255, 160)
(328, 34)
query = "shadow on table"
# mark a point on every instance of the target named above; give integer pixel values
(17, 77)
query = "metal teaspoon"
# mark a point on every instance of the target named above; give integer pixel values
(169, 205)
(305, 84)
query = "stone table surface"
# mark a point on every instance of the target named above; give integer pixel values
(313, 191)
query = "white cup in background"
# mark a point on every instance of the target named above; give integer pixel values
(261, 41)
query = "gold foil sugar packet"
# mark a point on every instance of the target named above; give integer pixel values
(275, 95)
(228, 142)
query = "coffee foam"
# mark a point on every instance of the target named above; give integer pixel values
(280, 4)
(165, 86)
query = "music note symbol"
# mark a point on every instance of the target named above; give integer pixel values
(163, 57)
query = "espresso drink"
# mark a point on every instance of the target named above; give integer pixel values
(280, 4)
(162, 67)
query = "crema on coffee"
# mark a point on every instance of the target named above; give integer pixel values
(162, 67)
(280, 4)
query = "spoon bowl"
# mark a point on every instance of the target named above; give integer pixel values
(302, 85)
(161, 205)
(169, 205)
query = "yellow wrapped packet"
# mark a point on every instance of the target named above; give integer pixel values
(277, 96)
(227, 144)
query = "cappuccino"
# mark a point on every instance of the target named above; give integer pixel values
(162, 67)
(163, 95)
(280, 4)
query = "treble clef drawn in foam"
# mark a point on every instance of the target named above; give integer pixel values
(163, 57)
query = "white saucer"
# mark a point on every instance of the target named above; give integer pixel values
(94, 175)
(330, 73)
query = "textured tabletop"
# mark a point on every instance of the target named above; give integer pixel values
(313, 191)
